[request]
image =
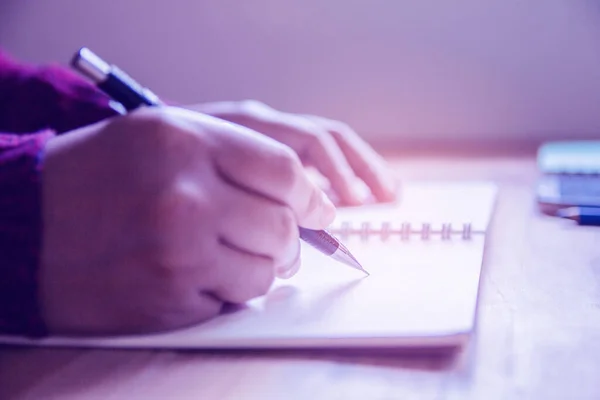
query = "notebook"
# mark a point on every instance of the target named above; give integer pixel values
(424, 254)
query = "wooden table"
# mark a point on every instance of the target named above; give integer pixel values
(538, 329)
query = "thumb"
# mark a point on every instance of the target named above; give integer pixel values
(319, 211)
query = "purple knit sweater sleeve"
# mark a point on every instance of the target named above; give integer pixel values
(35, 105)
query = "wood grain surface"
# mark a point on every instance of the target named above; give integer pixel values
(538, 328)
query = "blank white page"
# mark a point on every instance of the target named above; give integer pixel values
(420, 292)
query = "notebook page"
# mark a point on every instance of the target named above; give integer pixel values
(419, 291)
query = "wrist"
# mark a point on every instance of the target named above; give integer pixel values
(21, 233)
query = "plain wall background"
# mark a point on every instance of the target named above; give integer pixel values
(490, 70)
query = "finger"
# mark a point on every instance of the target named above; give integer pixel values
(247, 112)
(286, 271)
(322, 151)
(366, 163)
(258, 163)
(312, 142)
(240, 276)
(259, 225)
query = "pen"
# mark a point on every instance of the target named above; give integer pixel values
(122, 88)
(582, 215)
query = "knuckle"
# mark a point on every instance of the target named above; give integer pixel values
(335, 127)
(190, 205)
(252, 107)
(181, 199)
(341, 128)
(175, 217)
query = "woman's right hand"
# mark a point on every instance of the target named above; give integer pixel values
(153, 220)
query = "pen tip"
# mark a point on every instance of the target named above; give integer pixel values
(358, 266)
(343, 255)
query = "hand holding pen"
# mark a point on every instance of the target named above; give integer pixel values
(122, 88)
(155, 219)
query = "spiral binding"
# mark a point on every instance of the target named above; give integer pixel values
(405, 231)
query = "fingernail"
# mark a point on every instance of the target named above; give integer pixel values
(291, 269)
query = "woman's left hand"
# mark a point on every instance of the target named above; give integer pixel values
(332, 147)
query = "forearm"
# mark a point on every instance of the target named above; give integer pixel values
(20, 231)
(47, 101)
